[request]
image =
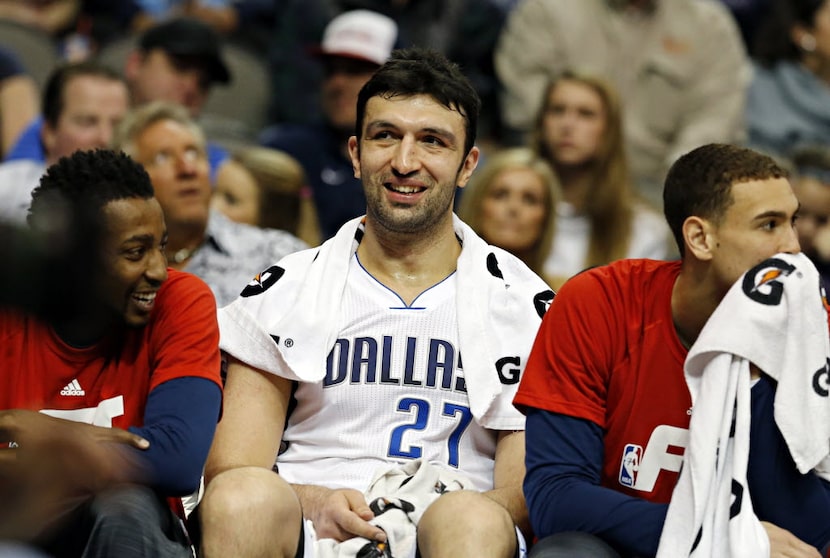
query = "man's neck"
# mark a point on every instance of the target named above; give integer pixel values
(183, 241)
(693, 300)
(409, 263)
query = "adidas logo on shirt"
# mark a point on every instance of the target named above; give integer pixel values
(73, 388)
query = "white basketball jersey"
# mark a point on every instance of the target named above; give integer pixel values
(394, 391)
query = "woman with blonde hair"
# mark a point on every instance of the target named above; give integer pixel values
(267, 188)
(510, 202)
(600, 219)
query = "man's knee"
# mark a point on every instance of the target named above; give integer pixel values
(251, 510)
(467, 506)
(249, 491)
(572, 544)
(466, 518)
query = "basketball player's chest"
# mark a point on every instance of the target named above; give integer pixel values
(383, 341)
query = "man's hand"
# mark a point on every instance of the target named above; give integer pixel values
(47, 463)
(339, 514)
(33, 432)
(783, 544)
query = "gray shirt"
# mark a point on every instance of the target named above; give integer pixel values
(233, 253)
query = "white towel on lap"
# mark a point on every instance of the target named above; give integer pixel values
(399, 498)
(773, 317)
(500, 305)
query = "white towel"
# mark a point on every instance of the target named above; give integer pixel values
(399, 498)
(774, 317)
(292, 328)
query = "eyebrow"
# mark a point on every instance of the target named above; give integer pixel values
(144, 238)
(444, 133)
(774, 214)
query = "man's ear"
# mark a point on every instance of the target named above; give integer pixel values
(468, 166)
(354, 155)
(699, 237)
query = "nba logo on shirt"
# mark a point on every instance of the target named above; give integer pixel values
(632, 454)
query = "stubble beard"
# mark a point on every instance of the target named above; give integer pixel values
(408, 219)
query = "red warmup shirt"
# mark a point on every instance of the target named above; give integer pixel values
(107, 384)
(618, 363)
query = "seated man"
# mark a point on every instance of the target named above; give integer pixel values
(608, 408)
(350, 356)
(94, 432)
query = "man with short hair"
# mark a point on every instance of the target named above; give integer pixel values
(345, 361)
(226, 254)
(94, 428)
(82, 104)
(609, 410)
(176, 61)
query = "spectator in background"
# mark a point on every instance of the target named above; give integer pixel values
(579, 131)
(789, 98)
(82, 104)
(680, 69)
(354, 45)
(811, 184)
(267, 188)
(94, 401)
(511, 203)
(171, 146)
(465, 31)
(18, 99)
(176, 61)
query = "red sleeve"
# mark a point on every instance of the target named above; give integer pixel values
(570, 364)
(185, 335)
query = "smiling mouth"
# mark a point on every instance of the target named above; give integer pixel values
(145, 300)
(403, 189)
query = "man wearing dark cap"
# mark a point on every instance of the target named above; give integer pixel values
(175, 61)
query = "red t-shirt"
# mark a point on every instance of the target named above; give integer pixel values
(107, 384)
(607, 352)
